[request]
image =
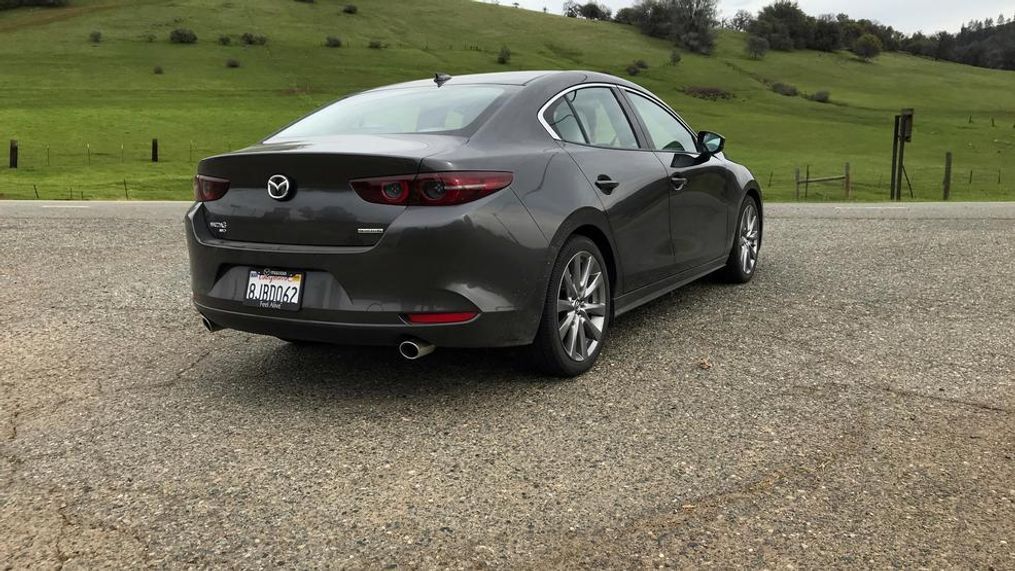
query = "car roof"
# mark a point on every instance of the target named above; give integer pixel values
(519, 78)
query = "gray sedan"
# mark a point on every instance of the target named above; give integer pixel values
(505, 209)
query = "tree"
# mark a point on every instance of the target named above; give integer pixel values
(827, 34)
(571, 9)
(693, 24)
(756, 47)
(626, 16)
(741, 20)
(594, 11)
(867, 46)
(675, 56)
(784, 25)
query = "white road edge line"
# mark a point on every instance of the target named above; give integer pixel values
(63, 206)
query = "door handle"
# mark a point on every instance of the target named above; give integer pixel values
(606, 184)
(678, 182)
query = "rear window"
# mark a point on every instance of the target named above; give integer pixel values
(448, 109)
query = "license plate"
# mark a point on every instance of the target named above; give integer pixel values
(274, 289)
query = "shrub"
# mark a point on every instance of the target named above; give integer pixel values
(867, 46)
(675, 57)
(375, 45)
(333, 42)
(709, 93)
(785, 89)
(350, 9)
(633, 69)
(95, 37)
(822, 96)
(253, 39)
(182, 36)
(148, 38)
(641, 63)
(232, 63)
(158, 70)
(225, 40)
(504, 56)
(756, 47)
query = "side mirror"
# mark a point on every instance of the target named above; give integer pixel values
(711, 143)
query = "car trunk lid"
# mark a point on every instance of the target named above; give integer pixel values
(319, 207)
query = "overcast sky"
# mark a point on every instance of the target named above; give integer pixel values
(906, 15)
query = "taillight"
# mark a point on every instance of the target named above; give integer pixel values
(431, 188)
(208, 188)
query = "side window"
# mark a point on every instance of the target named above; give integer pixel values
(563, 121)
(603, 118)
(592, 116)
(666, 132)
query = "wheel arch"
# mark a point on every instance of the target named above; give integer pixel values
(592, 224)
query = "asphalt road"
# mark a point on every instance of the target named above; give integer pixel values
(853, 406)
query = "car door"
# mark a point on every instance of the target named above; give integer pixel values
(699, 191)
(631, 183)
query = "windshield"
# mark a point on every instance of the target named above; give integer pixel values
(450, 110)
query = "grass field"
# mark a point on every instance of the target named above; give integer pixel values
(85, 113)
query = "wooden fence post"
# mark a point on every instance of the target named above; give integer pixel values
(970, 176)
(948, 175)
(797, 179)
(155, 150)
(14, 153)
(807, 181)
(847, 182)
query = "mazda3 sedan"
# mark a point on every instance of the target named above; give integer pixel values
(493, 210)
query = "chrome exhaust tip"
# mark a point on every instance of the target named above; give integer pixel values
(211, 326)
(413, 349)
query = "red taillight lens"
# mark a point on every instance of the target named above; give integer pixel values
(208, 188)
(431, 318)
(431, 189)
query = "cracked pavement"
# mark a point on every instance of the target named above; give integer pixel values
(857, 412)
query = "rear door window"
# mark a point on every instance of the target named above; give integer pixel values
(591, 115)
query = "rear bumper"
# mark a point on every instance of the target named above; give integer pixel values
(490, 258)
(498, 329)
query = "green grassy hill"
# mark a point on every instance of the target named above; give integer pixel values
(66, 99)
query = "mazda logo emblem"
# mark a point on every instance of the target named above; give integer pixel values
(279, 187)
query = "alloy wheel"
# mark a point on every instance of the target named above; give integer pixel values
(750, 239)
(581, 306)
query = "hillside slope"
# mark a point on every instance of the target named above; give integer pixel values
(85, 113)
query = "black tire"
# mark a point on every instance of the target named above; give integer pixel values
(548, 351)
(736, 271)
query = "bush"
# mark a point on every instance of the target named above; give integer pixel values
(633, 69)
(158, 70)
(95, 37)
(675, 57)
(350, 9)
(504, 56)
(253, 39)
(333, 42)
(150, 38)
(182, 36)
(756, 47)
(785, 89)
(641, 63)
(375, 45)
(822, 96)
(709, 93)
(232, 63)
(867, 46)
(225, 40)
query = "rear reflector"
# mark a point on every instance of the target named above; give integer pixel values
(431, 188)
(208, 188)
(429, 318)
